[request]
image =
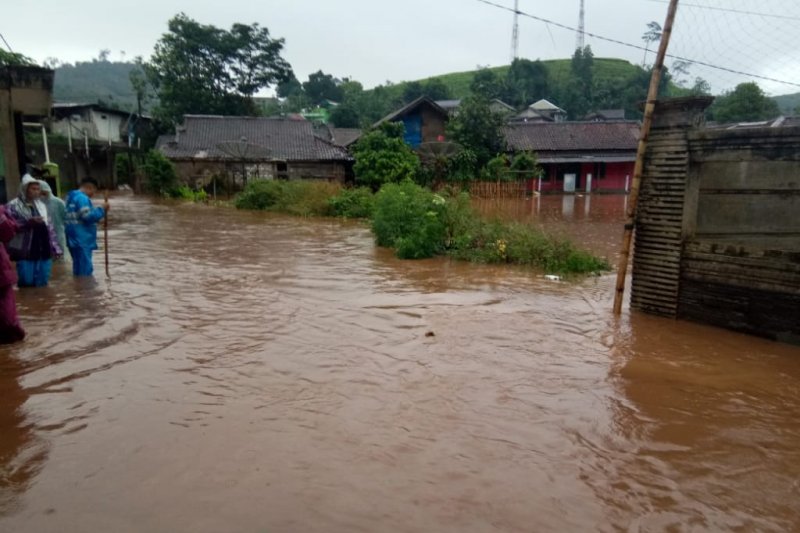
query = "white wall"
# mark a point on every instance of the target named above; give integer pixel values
(99, 125)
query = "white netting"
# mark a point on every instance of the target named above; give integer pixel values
(732, 41)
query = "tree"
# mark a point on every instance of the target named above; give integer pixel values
(487, 85)
(578, 98)
(345, 115)
(434, 89)
(289, 87)
(747, 102)
(8, 59)
(700, 88)
(383, 157)
(680, 71)
(138, 80)
(526, 82)
(477, 129)
(197, 68)
(321, 87)
(652, 35)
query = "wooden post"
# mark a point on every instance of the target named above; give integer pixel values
(638, 170)
(105, 235)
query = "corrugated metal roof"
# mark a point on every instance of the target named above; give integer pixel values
(236, 138)
(572, 136)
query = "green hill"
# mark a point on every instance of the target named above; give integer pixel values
(605, 69)
(789, 104)
(93, 81)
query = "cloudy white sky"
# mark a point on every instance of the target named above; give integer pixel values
(378, 40)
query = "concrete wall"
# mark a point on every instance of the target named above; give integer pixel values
(199, 173)
(23, 91)
(718, 235)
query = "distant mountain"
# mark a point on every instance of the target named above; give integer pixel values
(93, 81)
(788, 103)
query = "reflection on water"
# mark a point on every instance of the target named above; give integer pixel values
(248, 372)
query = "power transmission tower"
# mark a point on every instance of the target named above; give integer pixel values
(580, 41)
(515, 33)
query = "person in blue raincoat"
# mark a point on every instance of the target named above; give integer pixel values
(81, 224)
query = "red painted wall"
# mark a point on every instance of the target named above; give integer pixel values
(609, 177)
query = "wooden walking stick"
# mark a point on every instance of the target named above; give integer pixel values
(638, 170)
(105, 234)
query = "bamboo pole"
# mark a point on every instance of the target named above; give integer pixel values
(630, 216)
(105, 235)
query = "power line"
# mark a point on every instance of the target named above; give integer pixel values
(730, 10)
(639, 47)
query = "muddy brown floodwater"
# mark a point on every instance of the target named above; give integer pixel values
(243, 372)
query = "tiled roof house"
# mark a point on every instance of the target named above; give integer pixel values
(267, 147)
(578, 156)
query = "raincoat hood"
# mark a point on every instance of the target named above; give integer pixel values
(27, 180)
(45, 187)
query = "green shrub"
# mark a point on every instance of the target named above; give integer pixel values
(303, 198)
(383, 157)
(521, 244)
(259, 195)
(408, 219)
(353, 203)
(160, 172)
(185, 192)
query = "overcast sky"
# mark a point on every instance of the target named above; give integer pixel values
(378, 40)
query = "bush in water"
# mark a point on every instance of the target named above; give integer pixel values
(353, 203)
(303, 198)
(408, 219)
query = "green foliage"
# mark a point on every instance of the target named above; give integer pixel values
(184, 192)
(434, 88)
(301, 197)
(320, 87)
(160, 172)
(745, 103)
(345, 115)
(353, 203)
(417, 224)
(521, 244)
(497, 168)
(407, 218)
(198, 68)
(126, 168)
(477, 129)
(383, 157)
(526, 82)
(487, 84)
(463, 167)
(8, 59)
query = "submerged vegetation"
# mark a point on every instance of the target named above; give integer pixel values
(418, 223)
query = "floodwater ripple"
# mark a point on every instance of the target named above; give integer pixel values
(253, 372)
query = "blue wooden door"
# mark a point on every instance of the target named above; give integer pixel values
(413, 124)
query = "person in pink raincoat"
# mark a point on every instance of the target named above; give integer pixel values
(10, 328)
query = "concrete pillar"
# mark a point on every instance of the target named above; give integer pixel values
(665, 191)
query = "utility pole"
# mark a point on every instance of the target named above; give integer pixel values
(515, 33)
(580, 41)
